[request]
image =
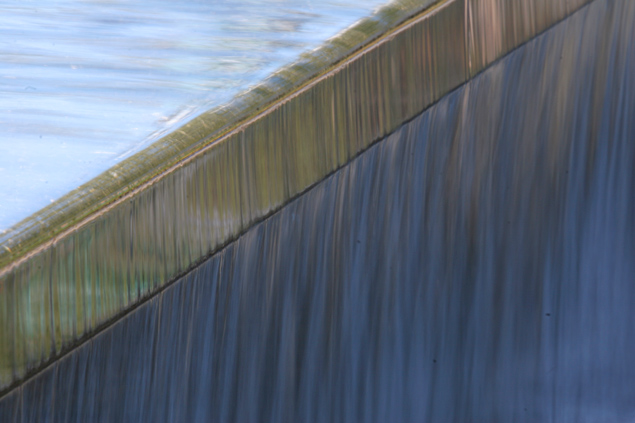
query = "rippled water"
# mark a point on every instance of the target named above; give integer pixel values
(84, 84)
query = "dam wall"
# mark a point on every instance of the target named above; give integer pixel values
(455, 242)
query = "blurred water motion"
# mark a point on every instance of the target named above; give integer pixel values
(84, 84)
(478, 265)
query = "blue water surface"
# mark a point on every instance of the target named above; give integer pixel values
(85, 84)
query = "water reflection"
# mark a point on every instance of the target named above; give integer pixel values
(84, 84)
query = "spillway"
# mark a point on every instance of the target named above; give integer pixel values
(453, 240)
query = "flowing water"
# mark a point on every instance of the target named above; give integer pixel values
(478, 265)
(85, 84)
